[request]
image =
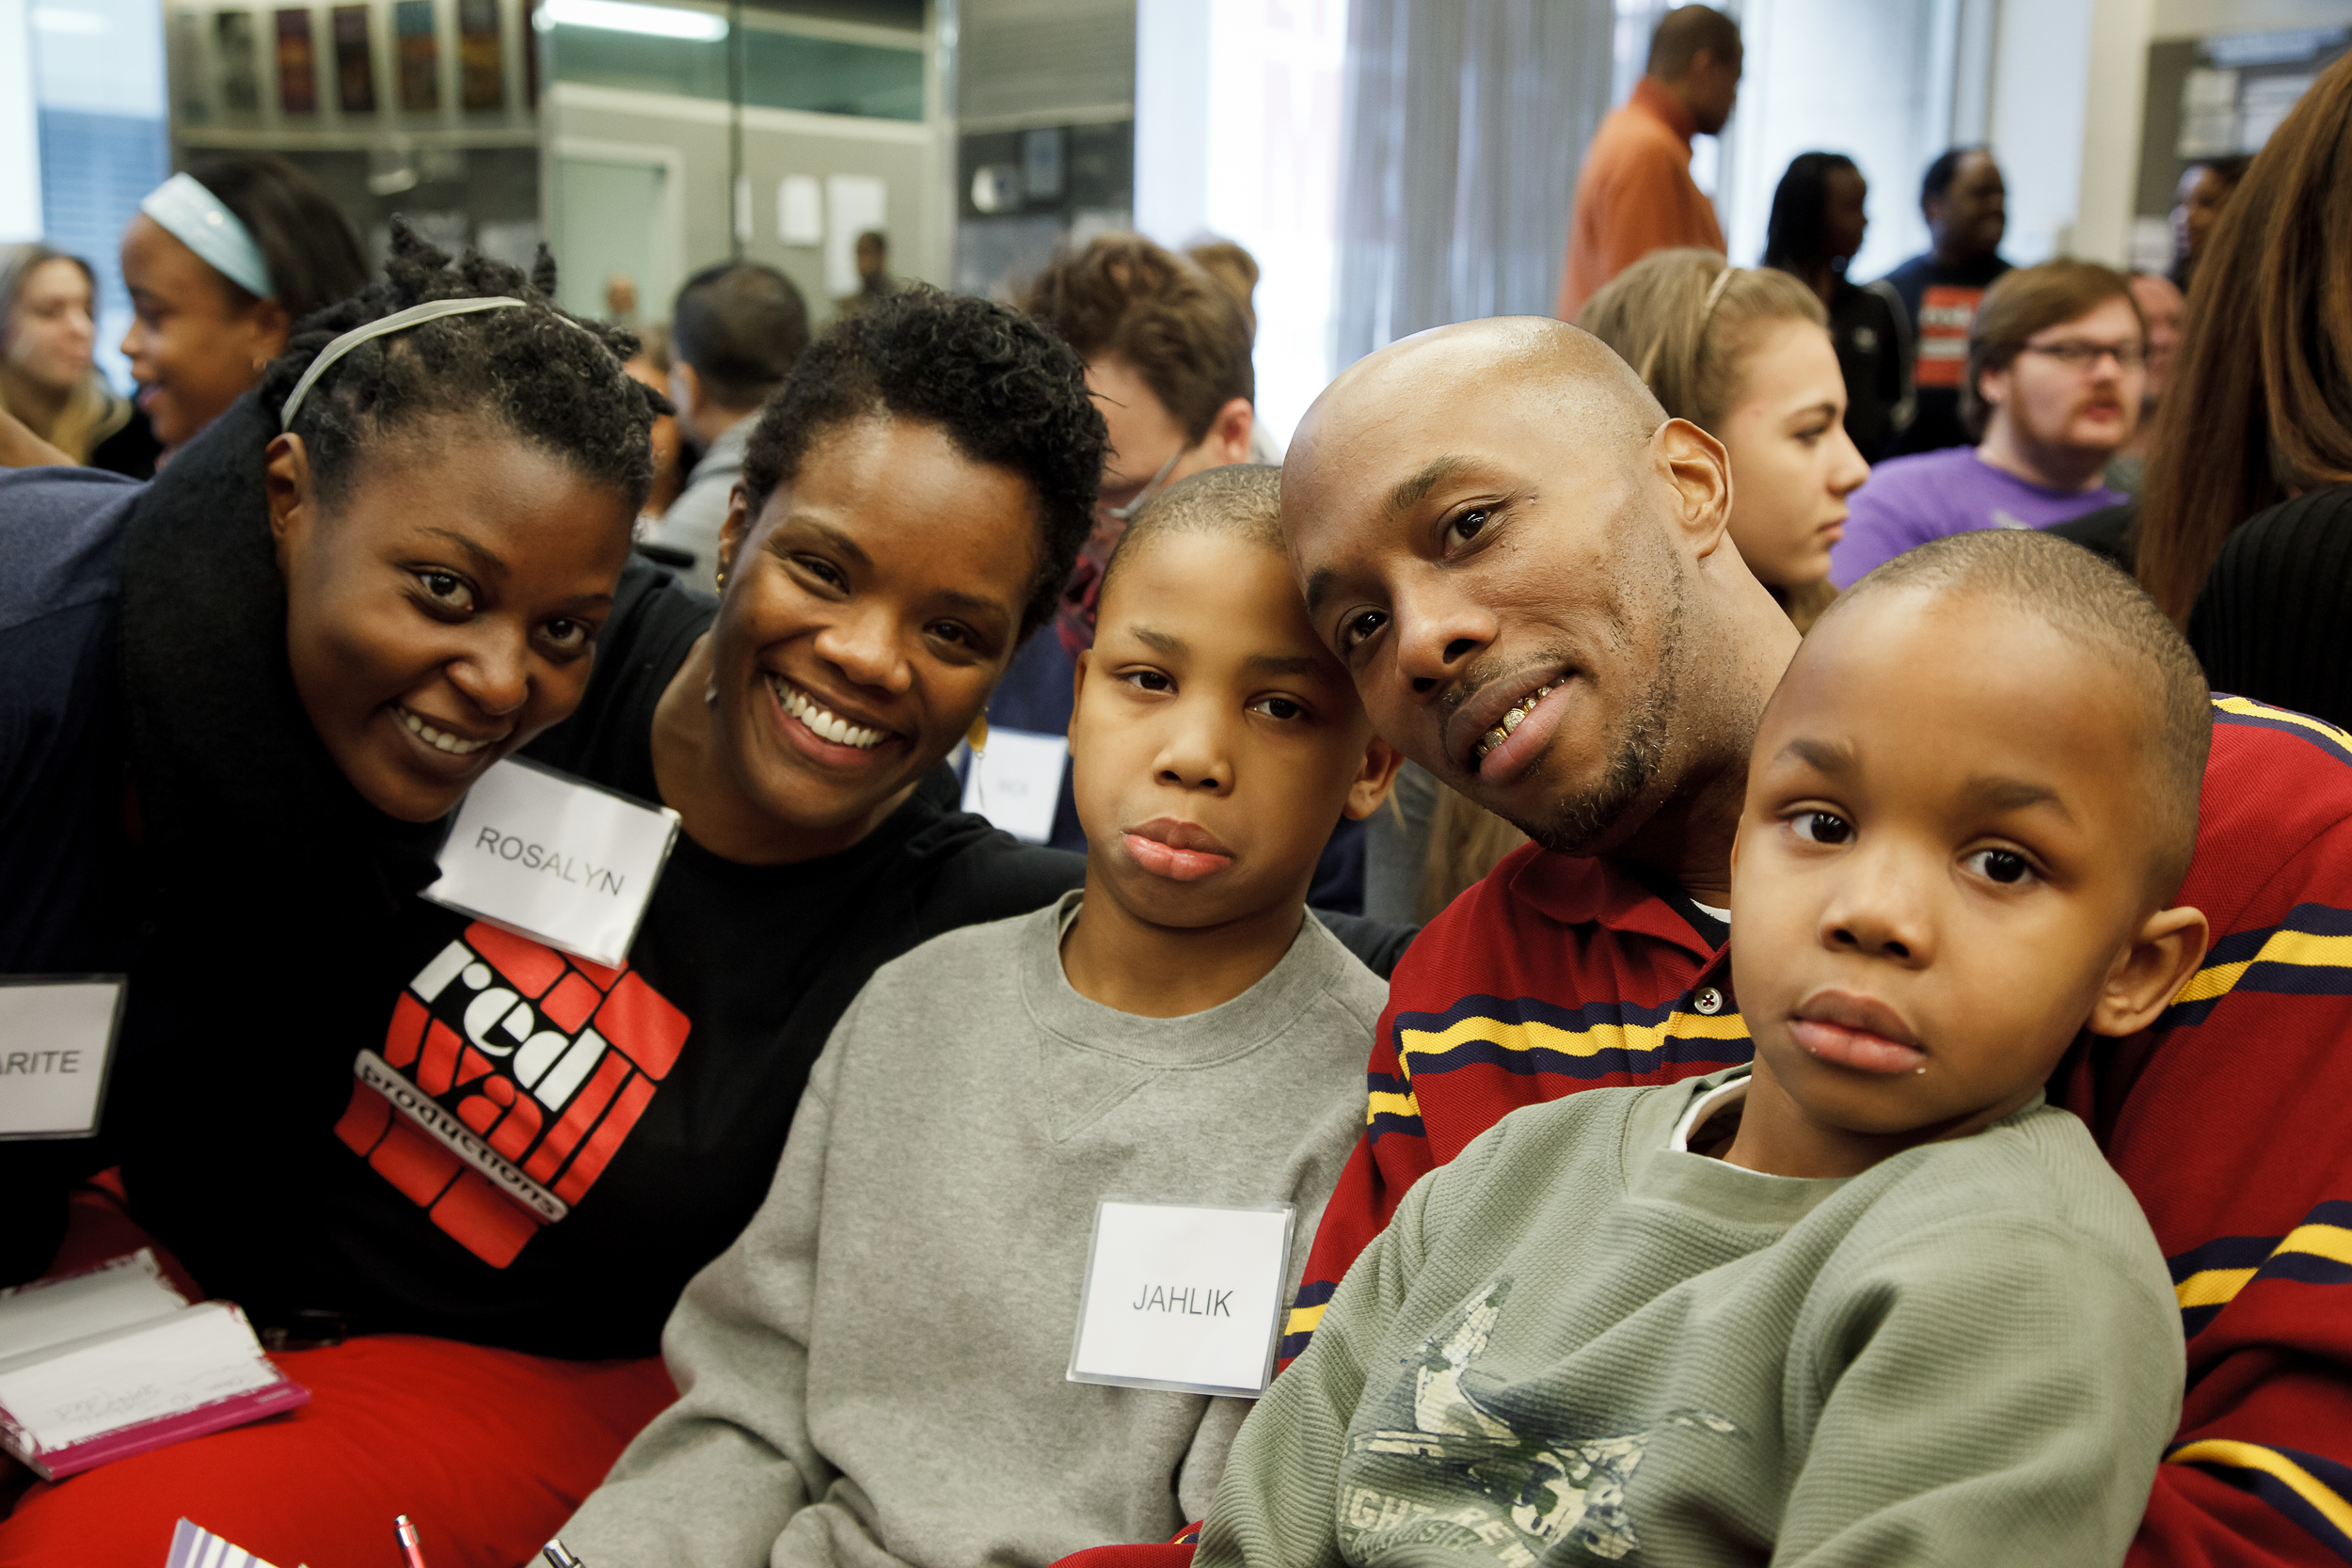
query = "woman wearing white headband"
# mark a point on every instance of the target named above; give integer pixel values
(237, 702)
(222, 261)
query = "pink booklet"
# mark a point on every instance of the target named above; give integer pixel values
(113, 1361)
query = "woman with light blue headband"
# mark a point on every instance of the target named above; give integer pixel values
(222, 261)
(237, 704)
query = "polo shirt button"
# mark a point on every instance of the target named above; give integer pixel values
(1708, 1001)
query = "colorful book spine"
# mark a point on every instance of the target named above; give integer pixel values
(297, 63)
(420, 57)
(481, 56)
(354, 60)
(240, 76)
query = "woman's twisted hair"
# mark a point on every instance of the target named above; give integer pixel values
(1003, 389)
(551, 378)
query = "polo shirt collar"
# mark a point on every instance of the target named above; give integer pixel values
(1578, 890)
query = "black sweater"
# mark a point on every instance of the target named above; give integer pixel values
(283, 955)
(2274, 621)
(283, 1184)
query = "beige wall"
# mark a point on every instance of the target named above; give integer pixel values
(776, 142)
(2116, 81)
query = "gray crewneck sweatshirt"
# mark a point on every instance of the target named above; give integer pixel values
(873, 1373)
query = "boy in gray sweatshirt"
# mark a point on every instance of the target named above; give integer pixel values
(880, 1369)
(1870, 1300)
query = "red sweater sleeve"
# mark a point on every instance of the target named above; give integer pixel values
(2229, 1121)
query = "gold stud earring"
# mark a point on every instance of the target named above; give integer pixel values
(722, 580)
(977, 737)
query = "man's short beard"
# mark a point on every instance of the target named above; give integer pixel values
(1591, 817)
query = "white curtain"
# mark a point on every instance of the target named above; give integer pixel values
(1465, 123)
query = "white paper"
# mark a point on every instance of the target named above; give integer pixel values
(1183, 1297)
(560, 860)
(194, 1546)
(1016, 782)
(56, 1039)
(175, 1364)
(800, 210)
(853, 204)
(130, 1290)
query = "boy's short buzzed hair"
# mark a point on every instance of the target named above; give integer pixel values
(1241, 501)
(2082, 597)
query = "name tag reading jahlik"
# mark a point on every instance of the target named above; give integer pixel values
(1182, 1298)
(555, 858)
(57, 1039)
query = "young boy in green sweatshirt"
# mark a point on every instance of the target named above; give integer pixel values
(880, 1371)
(1870, 1300)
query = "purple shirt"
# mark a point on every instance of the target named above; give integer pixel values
(1910, 500)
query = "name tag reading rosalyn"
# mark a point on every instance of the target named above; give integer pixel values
(56, 1038)
(1182, 1298)
(555, 858)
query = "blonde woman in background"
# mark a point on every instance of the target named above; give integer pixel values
(1745, 354)
(48, 333)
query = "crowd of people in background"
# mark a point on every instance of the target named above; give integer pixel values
(1975, 634)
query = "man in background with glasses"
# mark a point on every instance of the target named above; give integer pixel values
(2058, 360)
(1167, 351)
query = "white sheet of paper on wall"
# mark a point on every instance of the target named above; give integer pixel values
(853, 204)
(801, 211)
(1016, 782)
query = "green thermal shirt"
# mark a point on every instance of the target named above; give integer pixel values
(1579, 1342)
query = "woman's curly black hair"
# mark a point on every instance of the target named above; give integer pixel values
(1003, 388)
(548, 377)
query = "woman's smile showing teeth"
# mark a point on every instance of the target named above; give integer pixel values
(821, 721)
(441, 739)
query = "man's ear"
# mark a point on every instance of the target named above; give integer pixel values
(1992, 387)
(1699, 470)
(689, 385)
(2160, 959)
(292, 505)
(1373, 782)
(1228, 433)
(732, 532)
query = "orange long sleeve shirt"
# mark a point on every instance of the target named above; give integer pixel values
(1635, 196)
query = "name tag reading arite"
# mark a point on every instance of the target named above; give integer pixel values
(56, 1038)
(1182, 1298)
(555, 858)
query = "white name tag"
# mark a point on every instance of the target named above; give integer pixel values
(555, 858)
(1182, 1298)
(57, 1039)
(1016, 782)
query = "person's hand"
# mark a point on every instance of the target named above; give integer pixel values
(21, 449)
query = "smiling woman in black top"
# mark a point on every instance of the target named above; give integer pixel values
(912, 500)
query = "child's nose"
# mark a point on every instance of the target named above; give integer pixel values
(1194, 757)
(1880, 911)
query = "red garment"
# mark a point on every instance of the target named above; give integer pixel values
(489, 1450)
(2228, 1118)
(1635, 196)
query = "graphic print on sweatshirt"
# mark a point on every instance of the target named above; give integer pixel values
(1455, 1463)
(509, 1078)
